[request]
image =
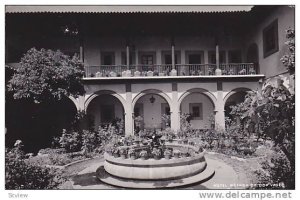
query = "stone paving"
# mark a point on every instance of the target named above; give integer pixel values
(225, 178)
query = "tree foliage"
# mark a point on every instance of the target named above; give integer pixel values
(289, 59)
(273, 112)
(46, 75)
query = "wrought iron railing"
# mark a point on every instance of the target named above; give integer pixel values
(166, 69)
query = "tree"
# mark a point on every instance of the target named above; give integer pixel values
(273, 112)
(37, 103)
(46, 75)
(289, 59)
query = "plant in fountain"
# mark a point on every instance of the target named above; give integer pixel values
(176, 153)
(168, 153)
(156, 153)
(144, 155)
(123, 152)
(132, 153)
(116, 152)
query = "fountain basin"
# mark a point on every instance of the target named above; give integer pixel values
(151, 169)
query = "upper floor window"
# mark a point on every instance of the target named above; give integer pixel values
(147, 59)
(194, 57)
(167, 57)
(270, 38)
(107, 58)
(235, 56)
(131, 58)
(212, 57)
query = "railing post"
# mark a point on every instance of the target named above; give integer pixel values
(218, 71)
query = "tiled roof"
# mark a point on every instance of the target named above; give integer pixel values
(124, 9)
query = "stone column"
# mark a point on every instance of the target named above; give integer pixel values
(218, 70)
(128, 111)
(80, 103)
(175, 115)
(219, 109)
(127, 57)
(136, 58)
(174, 71)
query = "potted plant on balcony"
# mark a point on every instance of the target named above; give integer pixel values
(242, 72)
(137, 73)
(144, 155)
(252, 71)
(168, 154)
(162, 73)
(149, 73)
(155, 73)
(176, 153)
(123, 153)
(132, 153)
(156, 153)
(231, 72)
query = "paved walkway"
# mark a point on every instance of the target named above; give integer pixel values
(225, 178)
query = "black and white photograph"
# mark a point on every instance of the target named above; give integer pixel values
(150, 97)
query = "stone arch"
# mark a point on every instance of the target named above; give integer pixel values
(150, 118)
(234, 91)
(152, 91)
(104, 92)
(204, 100)
(210, 96)
(104, 107)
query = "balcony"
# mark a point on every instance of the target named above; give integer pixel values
(165, 70)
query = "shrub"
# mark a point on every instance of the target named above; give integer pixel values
(89, 141)
(52, 151)
(276, 172)
(70, 141)
(20, 174)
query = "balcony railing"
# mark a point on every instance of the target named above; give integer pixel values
(166, 70)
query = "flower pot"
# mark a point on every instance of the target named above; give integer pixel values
(167, 157)
(185, 155)
(156, 157)
(176, 155)
(123, 156)
(144, 157)
(116, 155)
(133, 157)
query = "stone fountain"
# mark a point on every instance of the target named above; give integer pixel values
(188, 168)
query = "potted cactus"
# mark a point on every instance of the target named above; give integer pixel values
(168, 154)
(132, 153)
(144, 155)
(176, 153)
(156, 153)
